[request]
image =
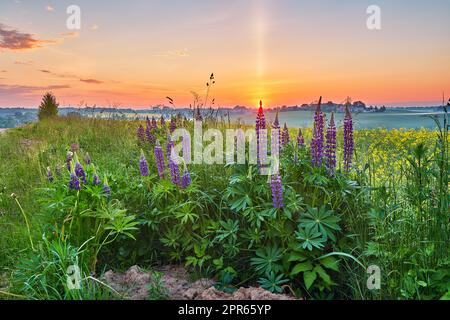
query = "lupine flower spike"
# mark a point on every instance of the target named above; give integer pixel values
(154, 123)
(261, 141)
(330, 149)
(106, 188)
(170, 145)
(141, 134)
(285, 139)
(300, 139)
(317, 139)
(277, 191)
(348, 139)
(174, 168)
(173, 125)
(163, 122)
(49, 175)
(74, 183)
(149, 135)
(143, 165)
(186, 179)
(159, 158)
(69, 158)
(87, 159)
(79, 170)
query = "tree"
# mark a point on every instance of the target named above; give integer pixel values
(48, 107)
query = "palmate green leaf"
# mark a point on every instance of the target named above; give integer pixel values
(267, 260)
(309, 239)
(309, 277)
(272, 282)
(321, 220)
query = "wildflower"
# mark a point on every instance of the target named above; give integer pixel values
(285, 138)
(300, 139)
(186, 179)
(170, 145)
(80, 173)
(261, 135)
(87, 159)
(49, 175)
(277, 191)
(348, 139)
(141, 133)
(69, 158)
(154, 123)
(96, 180)
(174, 169)
(74, 183)
(106, 188)
(317, 140)
(159, 158)
(172, 125)
(148, 122)
(163, 122)
(330, 149)
(143, 165)
(149, 135)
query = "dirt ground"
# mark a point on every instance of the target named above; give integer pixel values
(133, 285)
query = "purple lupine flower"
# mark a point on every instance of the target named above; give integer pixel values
(159, 158)
(300, 139)
(261, 141)
(186, 179)
(170, 145)
(154, 123)
(80, 173)
(348, 139)
(143, 165)
(106, 189)
(330, 149)
(141, 133)
(317, 139)
(96, 180)
(172, 125)
(87, 159)
(163, 122)
(49, 175)
(277, 191)
(148, 122)
(74, 183)
(285, 138)
(149, 135)
(174, 169)
(69, 158)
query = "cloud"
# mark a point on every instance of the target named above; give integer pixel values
(24, 63)
(11, 39)
(91, 81)
(94, 27)
(49, 8)
(45, 71)
(19, 90)
(174, 54)
(69, 34)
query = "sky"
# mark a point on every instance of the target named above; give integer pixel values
(135, 53)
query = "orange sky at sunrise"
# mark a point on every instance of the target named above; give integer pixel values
(135, 53)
